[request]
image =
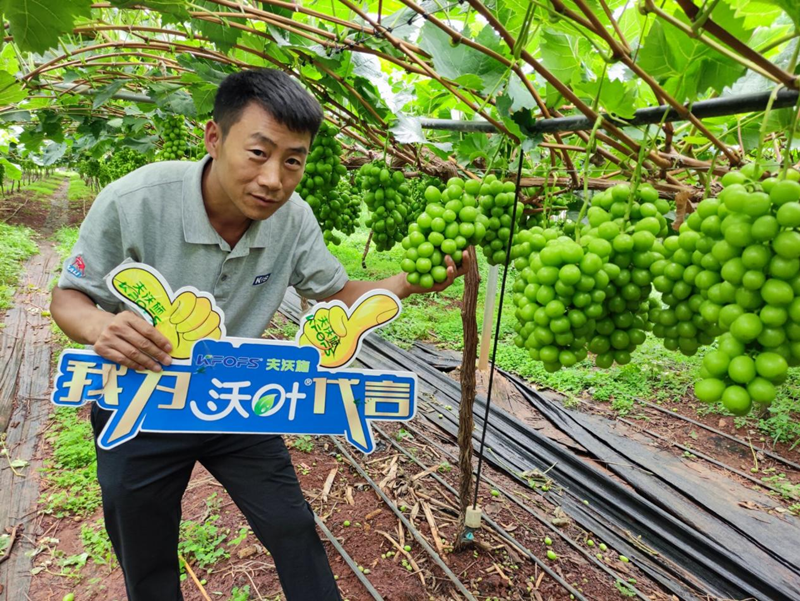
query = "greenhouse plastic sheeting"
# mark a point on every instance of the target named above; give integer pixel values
(669, 525)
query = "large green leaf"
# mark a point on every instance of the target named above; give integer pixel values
(454, 61)
(175, 8)
(143, 145)
(172, 98)
(685, 67)
(224, 36)
(561, 54)
(791, 7)
(10, 89)
(106, 92)
(203, 96)
(756, 13)
(37, 24)
(52, 153)
(616, 97)
(12, 171)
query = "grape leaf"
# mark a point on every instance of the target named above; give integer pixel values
(203, 96)
(143, 145)
(222, 34)
(37, 24)
(453, 62)
(52, 153)
(106, 92)
(10, 89)
(616, 97)
(12, 171)
(176, 8)
(685, 67)
(791, 7)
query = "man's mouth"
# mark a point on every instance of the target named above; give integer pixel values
(264, 200)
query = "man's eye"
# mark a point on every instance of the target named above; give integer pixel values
(258, 153)
(295, 162)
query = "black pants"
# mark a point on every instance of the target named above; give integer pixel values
(143, 480)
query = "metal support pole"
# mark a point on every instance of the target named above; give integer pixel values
(717, 107)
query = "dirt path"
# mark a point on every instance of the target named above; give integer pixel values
(25, 360)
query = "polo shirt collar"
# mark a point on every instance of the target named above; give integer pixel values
(197, 228)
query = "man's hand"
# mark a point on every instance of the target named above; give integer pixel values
(182, 320)
(129, 340)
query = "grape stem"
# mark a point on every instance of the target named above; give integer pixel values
(589, 147)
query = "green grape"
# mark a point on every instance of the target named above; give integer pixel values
(385, 193)
(747, 285)
(174, 140)
(330, 195)
(448, 224)
(496, 203)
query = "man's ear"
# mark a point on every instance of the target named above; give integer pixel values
(213, 138)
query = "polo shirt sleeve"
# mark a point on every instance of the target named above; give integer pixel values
(317, 274)
(99, 249)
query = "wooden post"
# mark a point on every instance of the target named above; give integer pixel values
(466, 423)
(366, 250)
(488, 317)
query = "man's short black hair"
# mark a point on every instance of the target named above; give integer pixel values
(274, 91)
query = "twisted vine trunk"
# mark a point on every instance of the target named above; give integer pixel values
(466, 423)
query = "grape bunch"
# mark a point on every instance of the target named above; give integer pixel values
(496, 201)
(756, 300)
(450, 223)
(175, 144)
(341, 212)
(385, 192)
(123, 161)
(622, 230)
(558, 293)
(416, 201)
(319, 186)
(686, 273)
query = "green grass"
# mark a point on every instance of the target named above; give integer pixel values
(16, 245)
(44, 188)
(71, 474)
(65, 238)
(78, 190)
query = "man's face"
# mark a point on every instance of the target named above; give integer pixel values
(258, 163)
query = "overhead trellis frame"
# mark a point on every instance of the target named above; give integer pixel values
(375, 36)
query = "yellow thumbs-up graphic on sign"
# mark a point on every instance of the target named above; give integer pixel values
(337, 331)
(182, 318)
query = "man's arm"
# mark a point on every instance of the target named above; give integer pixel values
(125, 338)
(398, 284)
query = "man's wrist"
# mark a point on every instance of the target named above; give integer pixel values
(96, 326)
(401, 287)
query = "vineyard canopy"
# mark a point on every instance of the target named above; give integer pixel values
(73, 74)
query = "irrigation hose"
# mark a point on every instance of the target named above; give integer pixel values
(348, 560)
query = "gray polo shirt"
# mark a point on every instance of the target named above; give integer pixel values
(156, 216)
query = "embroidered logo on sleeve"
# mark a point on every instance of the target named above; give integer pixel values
(77, 267)
(261, 279)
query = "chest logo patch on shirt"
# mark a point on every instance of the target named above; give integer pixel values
(261, 279)
(77, 267)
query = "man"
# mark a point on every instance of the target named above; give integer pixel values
(229, 225)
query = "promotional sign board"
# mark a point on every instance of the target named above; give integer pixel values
(219, 384)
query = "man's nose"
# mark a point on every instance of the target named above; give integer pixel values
(269, 176)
